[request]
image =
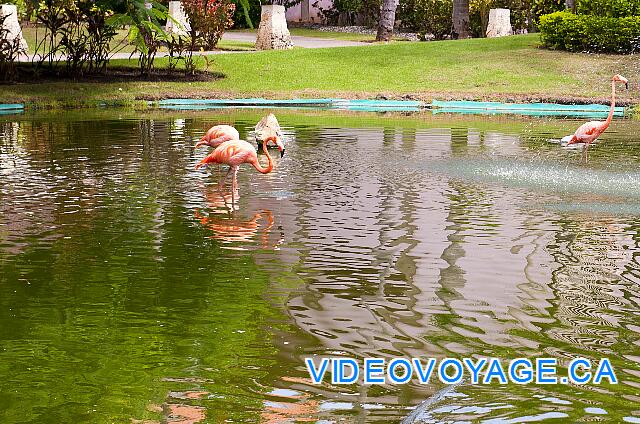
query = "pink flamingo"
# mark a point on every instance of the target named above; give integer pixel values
(218, 135)
(589, 132)
(234, 153)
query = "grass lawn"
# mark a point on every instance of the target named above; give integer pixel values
(509, 68)
(235, 45)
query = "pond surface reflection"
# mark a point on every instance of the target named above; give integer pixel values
(133, 290)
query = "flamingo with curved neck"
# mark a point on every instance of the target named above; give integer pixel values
(269, 129)
(589, 132)
(234, 153)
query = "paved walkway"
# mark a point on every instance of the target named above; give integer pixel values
(298, 40)
(249, 37)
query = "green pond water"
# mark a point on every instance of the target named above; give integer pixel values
(132, 291)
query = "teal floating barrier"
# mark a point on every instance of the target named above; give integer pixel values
(11, 106)
(466, 107)
(245, 102)
(541, 109)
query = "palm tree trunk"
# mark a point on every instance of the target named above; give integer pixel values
(387, 20)
(460, 19)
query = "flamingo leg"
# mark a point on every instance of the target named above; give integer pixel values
(224, 180)
(234, 185)
(586, 153)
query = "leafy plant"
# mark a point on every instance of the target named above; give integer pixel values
(51, 16)
(587, 33)
(181, 50)
(610, 8)
(427, 17)
(145, 29)
(76, 32)
(208, 20)
(86, 36)
(249, 10)
(545, 7)
(351, 12)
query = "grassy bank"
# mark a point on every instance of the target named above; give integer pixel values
(510, 68)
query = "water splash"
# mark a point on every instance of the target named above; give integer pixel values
(543, 176)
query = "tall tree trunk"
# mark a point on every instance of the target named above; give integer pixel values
(460, 19)
(571, 5)
(387, 20)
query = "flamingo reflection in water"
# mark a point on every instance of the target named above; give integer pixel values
(175, 412)
(289, 405)
(229, 228)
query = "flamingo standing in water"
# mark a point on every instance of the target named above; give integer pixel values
(234, 153)
(218, 135)
(589, 132)
(269, 128)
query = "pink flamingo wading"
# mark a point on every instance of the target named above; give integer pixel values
(234, 153)
(218, 135)
(589, 132)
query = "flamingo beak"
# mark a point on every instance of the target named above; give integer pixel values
(626, 84)
(280, 145)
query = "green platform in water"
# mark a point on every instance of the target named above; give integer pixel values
(466, 107)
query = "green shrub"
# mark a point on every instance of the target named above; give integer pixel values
(586, 33)
(426, 17)
(545, 7)
(610, 8)
(350, 12)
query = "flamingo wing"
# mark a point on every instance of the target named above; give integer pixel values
(220, 139)
(588, 132)
(220, 131)
(267, 127)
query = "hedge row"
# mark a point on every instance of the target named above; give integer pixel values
(588, 33)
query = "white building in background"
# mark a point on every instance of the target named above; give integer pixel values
(308, 11)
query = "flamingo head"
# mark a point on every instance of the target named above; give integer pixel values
(620, 78)
(277, 140)
(207, 160)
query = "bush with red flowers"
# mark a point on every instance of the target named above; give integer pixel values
(208, 19)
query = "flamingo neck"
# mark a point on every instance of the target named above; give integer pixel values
(613, 103)
(259, 167)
